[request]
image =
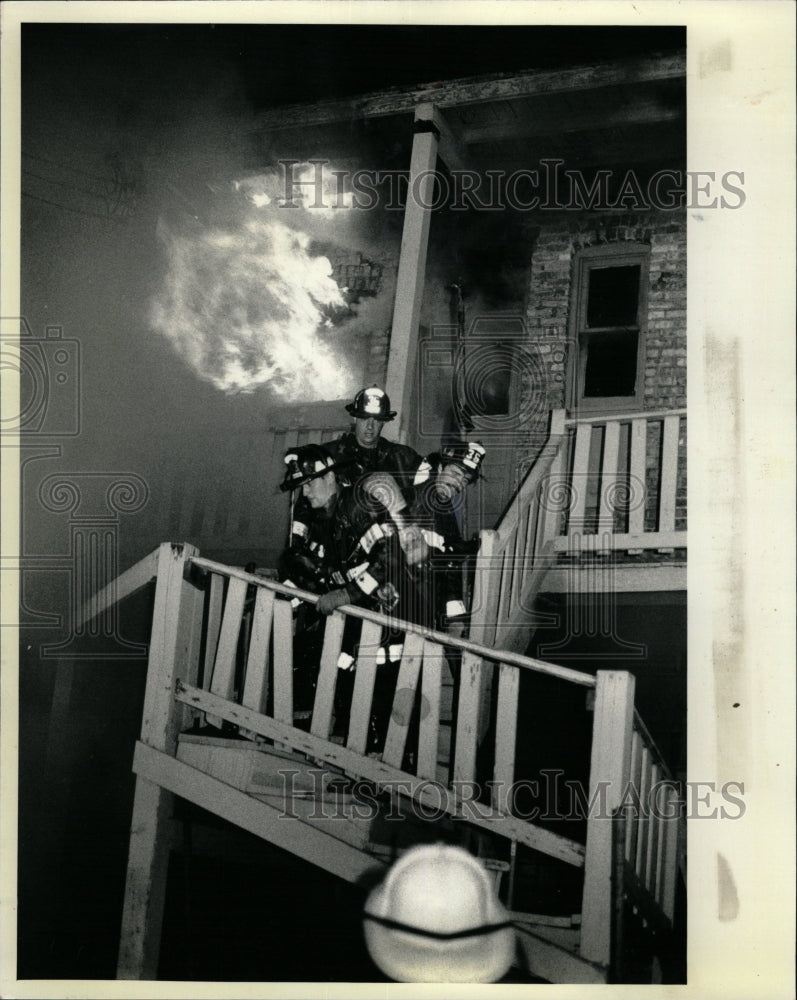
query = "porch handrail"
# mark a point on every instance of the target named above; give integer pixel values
(122, 586)
(622, 418)
(443, 638)
(528, 488)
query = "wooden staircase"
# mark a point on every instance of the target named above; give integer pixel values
(219, 731)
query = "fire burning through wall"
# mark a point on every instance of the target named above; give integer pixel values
(253, 302)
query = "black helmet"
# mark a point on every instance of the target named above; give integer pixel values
(306, 463)
(468, 456)
(371, 402)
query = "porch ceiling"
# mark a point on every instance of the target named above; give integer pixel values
(628, 112)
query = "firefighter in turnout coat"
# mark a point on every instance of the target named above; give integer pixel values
(348, 545)
(365, 448)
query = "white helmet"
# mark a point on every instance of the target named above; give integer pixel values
(436, 919)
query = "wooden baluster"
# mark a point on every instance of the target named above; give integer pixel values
(609, 762)
(527, 566)
(485, 590)
(662, 801)
(483, 621)
(467, 717)
(283, 661)
(430, 710)
(611, 449)
(256, 680)
(552, 488)
(321, 723)
(505, 593)
(636, 514)
(669, 474)
(507, 708)
(223, 680)
(580, 479)
(215, 604)
(363, 693)
(406, 686)
(632, 819)
(672, 833)
(518, 559)
(644, 819)
(649, 876)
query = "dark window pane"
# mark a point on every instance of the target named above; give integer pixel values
(613, 296)
(611, 364)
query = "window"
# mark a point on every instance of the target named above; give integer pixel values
(608, 319)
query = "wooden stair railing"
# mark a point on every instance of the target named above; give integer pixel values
(623, 482)
(193, 671)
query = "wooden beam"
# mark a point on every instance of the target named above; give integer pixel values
(127, 583)
(401, 380)
(642, 578)
(555, 963)
(252, 815)
(476, 90)
(451, 149)
(620, 540)
(538, 122)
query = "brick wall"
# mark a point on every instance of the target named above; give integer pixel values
(553, 255)
(552, 268)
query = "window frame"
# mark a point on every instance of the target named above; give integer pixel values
(587, 260)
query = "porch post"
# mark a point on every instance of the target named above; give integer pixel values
(173, 654)
(411, 270)
(610, 765)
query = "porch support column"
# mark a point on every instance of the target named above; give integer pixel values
(411, 271)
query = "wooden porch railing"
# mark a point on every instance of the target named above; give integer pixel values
(623, 489)
(194, 667)
(601, 485)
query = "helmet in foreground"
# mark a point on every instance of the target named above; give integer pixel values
(436, 919)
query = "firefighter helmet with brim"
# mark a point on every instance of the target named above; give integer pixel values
(469, 456)
(372, 402)
(308, 462)
(437, 918)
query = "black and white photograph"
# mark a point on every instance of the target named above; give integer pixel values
(364, 374)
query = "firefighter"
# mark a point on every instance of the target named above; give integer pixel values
(350, 544)
(305, 564)
(439, 481)
(365, 446)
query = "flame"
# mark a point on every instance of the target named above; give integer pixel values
(244, 308)
(318, 189)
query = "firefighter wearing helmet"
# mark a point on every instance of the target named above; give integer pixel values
(364, 448)
(439, 481)
(345, 545)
